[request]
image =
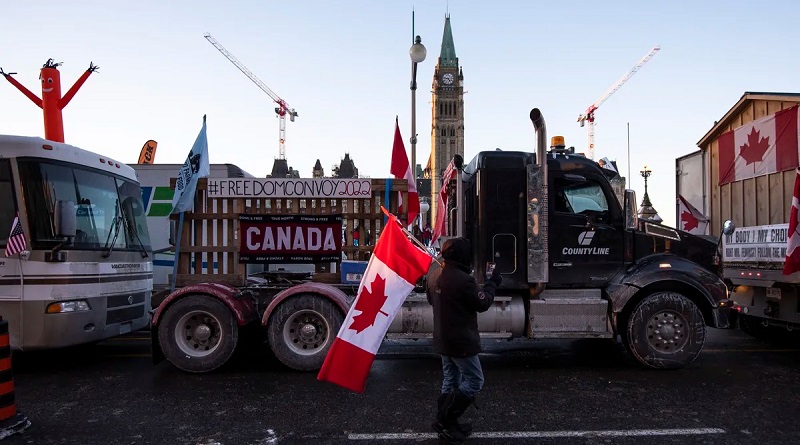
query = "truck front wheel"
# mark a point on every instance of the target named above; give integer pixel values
(198, 333)
(666, 330)
(302, 329)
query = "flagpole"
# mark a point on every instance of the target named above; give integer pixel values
(409, 234)
(177, 252)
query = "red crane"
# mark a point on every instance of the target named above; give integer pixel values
(589, 115)
(282, 110)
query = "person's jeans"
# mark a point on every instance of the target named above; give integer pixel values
(464, 373)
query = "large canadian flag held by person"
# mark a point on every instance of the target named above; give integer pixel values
(690, 219)
(761, 147)
(394, 268)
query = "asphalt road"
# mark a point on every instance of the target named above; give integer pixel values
(739, 391)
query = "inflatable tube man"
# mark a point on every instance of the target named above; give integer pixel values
(51, 102)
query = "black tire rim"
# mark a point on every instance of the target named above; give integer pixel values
(666, 331)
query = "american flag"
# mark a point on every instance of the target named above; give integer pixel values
(16, 239)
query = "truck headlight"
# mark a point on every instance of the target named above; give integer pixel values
(67, 306)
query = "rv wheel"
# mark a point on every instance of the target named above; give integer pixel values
(198, 333)
(302, 329)
(666, 330)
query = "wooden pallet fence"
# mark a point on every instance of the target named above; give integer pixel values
(209, 242)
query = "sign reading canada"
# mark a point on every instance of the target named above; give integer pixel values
(331, 188)
(290, 238)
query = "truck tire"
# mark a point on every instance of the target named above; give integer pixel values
(198, 333)
(665, 331)
(301, 330)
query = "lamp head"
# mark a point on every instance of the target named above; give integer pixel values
(417, 51)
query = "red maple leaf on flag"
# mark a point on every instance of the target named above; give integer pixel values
(689, 220)
(370, 304)
(753, 151)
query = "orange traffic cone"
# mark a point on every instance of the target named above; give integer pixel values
(11, 420)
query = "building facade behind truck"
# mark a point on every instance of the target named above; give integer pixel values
(575, 264)
(86, 272)
(758, 203)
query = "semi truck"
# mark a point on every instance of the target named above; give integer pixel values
(745, 171)
(78, 264)
(576, 263)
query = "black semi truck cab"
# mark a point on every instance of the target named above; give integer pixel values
(580, 264)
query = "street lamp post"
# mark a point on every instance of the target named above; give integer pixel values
(417, 53)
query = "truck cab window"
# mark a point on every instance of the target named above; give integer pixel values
(583, 198)
(7, 207)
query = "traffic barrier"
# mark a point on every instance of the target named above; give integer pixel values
(11, 420)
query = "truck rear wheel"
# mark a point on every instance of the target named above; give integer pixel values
(666, 330)
(302, 329)
(198, 333)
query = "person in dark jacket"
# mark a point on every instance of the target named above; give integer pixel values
(457, 300)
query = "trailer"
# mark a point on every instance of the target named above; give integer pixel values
(745, 172)
(576, 263)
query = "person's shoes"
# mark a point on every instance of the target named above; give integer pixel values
(465, 428)
(450, 434)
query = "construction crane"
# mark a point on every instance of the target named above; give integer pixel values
(282, 110)
(589, 115)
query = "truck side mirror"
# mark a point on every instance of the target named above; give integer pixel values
(65, 219)
(631, 217)
(728, 227)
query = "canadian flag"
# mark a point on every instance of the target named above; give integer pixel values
(792, 263)
(764, 146)
(394, 268)
(690, 219)
(401, 169)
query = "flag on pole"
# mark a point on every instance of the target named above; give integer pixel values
(195, 167)
(401, 169)
(441, 207)
(393, 269)
(16, 239)
(792, 263)
(690, 219)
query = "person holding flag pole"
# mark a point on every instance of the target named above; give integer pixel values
(457, 300)
(195, 167)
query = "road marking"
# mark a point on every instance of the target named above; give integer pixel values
(545, 434)
(750, 350)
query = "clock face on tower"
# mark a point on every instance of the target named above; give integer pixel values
(448, 78)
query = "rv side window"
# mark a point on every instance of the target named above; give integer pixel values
(7, 207)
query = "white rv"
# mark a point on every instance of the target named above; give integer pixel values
(81, 270)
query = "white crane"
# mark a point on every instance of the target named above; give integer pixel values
(282, 110)
(589, 115)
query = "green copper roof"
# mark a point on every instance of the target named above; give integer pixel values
(447, 57)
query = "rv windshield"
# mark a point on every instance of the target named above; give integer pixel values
(102, 201)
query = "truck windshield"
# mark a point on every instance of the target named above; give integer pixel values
(102, 202)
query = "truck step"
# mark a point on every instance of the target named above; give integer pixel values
(566, 317)
(595, 294)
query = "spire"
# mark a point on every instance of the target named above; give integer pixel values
(447, 56)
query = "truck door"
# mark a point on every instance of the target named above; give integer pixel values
(586, 247)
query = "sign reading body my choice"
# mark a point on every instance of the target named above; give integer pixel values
(330, 188)
(756, 244)
(290, 238)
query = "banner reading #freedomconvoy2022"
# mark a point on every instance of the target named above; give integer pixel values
(290, 238)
